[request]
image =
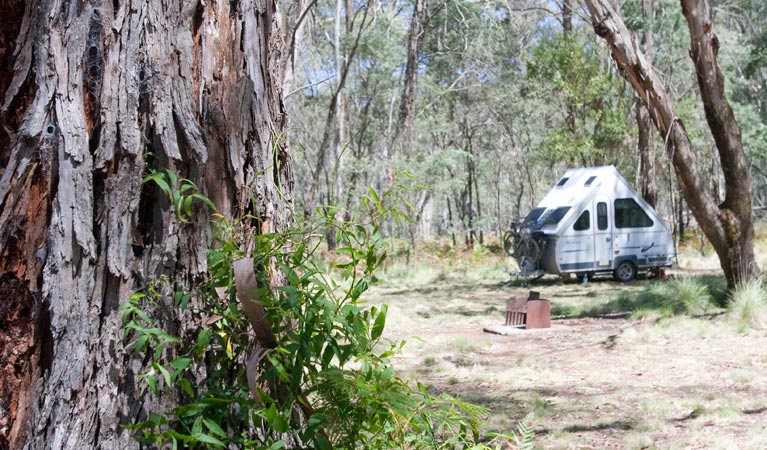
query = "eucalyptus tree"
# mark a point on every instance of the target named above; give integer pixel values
(350, 21)
(346, 149)
(97, 96)
(591, 128)
(729, 224)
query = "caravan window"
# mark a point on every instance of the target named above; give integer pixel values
(562, 181)
(553, 216)
(583, 222)
(534, 215)
(628, 214)
(602, 216)
(590, 180)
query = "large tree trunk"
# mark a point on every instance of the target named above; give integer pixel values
(98, 95)
(728, 225)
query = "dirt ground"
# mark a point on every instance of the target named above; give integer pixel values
(607, 381)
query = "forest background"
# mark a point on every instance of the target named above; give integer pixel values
(499, 99)
(145, 146)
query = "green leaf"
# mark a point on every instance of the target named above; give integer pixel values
(358, 289)
(275, 420)
(181, 363)
(186, 185)
(185, 386)
(176, 200)
(187, 205)
(214, 428)
(141, 342)
(379, 324)
(164, 372)
(190, 410)
(205, 200)
(208, 439)
(158, 179)
(374, 194)
(171, 177)
(151, 381)
(203, 339)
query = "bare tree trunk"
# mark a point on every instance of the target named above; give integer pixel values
(294, 16)
(406, 104)
(450, 221)
(567, 16)
(335, 191)
(646, 154)
(728, 225)
(477, 197)
(330, 134)
(644, 124)
(99, 95)
(468, 200)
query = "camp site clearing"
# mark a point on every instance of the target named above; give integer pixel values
(605, 375)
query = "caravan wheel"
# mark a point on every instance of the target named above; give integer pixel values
(626, 271)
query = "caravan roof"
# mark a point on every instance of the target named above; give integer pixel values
(573, 192)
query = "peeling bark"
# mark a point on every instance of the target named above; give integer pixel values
(99, 93)
(727, 225)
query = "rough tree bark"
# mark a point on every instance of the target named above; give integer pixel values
(729, 224)
(92, 96)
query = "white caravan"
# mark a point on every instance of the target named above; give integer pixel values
(591, 222)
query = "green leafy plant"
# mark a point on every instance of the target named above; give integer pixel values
(328, 382)
(525, 437)
(180, 192)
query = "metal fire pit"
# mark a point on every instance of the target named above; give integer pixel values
(531, 312)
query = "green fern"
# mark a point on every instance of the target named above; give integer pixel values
(525, 436)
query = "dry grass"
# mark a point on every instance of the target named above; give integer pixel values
(749, 306)
(600, 377)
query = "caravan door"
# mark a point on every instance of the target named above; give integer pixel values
(603, 245)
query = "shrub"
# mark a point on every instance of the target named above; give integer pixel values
(748, 306)
(326, 382)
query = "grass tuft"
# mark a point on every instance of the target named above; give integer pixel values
(748, 307)
(684, 295)
(688, 295)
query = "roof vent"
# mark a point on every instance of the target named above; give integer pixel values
(562, 182)
(590, 180)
